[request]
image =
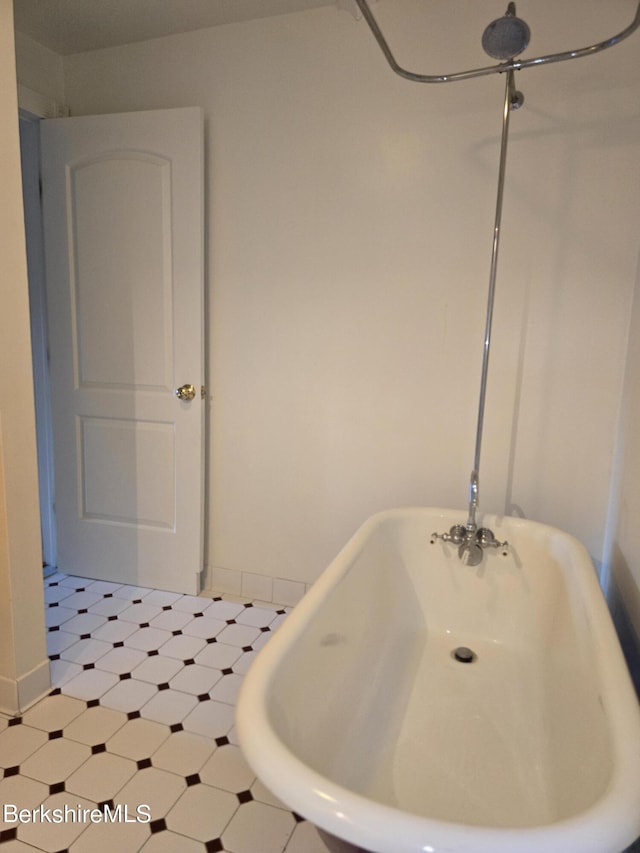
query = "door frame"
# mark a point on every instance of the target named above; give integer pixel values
(33, 107)
(30, 154)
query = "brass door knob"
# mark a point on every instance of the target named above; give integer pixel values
(185, 392)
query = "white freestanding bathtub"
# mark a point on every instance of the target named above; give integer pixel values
(359, 718)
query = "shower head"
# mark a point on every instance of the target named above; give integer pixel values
(507, 36)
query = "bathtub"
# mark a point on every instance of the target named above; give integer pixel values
(358, 717)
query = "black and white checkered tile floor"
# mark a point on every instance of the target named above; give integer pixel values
(141, 713)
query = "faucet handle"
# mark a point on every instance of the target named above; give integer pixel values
(457, 535)
(486, 539)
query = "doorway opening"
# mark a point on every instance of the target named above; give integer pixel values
(30, 159)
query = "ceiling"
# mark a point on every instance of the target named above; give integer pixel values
(73, 26)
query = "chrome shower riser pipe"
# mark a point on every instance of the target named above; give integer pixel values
(512, 99)
(469, 539)
(511, 65)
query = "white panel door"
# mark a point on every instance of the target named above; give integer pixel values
(123, 223)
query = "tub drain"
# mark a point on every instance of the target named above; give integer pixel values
(463, 654)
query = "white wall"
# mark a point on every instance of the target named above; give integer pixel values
(39, 68)
(350, 220)
(24, 665)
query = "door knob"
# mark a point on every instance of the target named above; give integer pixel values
(186, 392)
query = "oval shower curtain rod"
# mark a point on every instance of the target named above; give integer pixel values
(511, 65)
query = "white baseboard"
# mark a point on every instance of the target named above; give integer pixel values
(17, 695)
(253, 586)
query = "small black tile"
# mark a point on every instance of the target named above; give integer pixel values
(55, 734)
(137, 601)
(81, 589)
(124, 676)
(197, 615)
(108, 595)
(264, 629)
(188, 662)
(247, 648)
(152, 653)
(193, 779)
(53, 628)
(298, 818)
(216, 598)
(230, 621)
(106, 804)
(157, 825)
(143, 763)
(84, 610)
(12, 771)
(111, 618)
(244, 796)
(227, 671)
(222, 741)
(56, 690)
(203, 697)
(176, 727)
(133, 715)
(55, 583)
(56, 788)
(15, 721)
(164, 686)
(144, 625)
(53, 604)
(214, 846)
(118, 645)
(85, 636)
(248, 605)
(281, 612)
(167, 607)
(54, 657)
(88, 666)
(93, 703)
(7, 835)
(176, 633)
(211, 640)
(98, 747)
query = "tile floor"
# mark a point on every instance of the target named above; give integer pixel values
(142, 714)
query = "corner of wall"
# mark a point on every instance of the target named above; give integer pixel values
(24, 665)
(620, 577)
(18, 695)
(628, 634)
(39, 69)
